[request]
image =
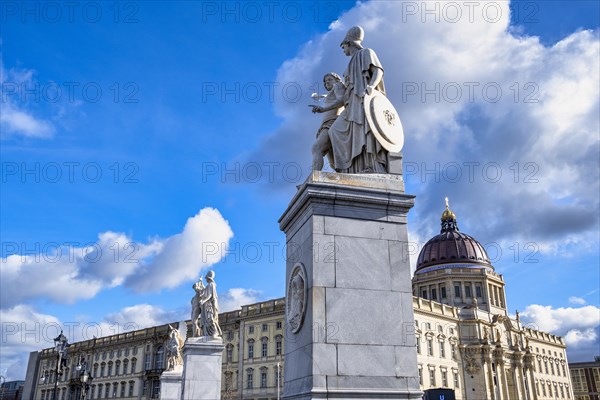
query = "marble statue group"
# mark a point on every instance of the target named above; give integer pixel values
(357, 132)
(205, 308)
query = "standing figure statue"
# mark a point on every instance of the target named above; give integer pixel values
(334, 104)
(174, 346)
(355, 147)
(209, 307)
(196, 310)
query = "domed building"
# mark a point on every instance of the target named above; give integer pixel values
(466, 341)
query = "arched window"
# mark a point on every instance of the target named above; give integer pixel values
(160, 358)
(123, 384)
(95, 370)
(125, 366)
(251, 348)
(264, 351)
(117, 367)
(249, 378)
(131, 387)
(102, 369)
(263, 377)
(133, 364)
(110, 368)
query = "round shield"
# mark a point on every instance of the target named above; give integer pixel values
(384, 121)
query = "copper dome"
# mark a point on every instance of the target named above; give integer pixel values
(452, 246)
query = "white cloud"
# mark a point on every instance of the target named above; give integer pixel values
(235, 298)
(578, 326)
(65, 274)
(25, 330)
(16, 119)
(576, 300)
(545, 120)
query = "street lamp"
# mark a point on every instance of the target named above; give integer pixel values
(60, 344)
(84, 377)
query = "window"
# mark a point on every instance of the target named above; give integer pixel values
(424, 293)
(109, 370)
(265, 327)
(457, 291)
(455, 376)
(104, 355)
(160, 358)
(145, 388)
(278, 345)
(119, 352)
(230, 335)
(442, 350)
(468, 291)
(133, 362)
(251, 348)
(453, 351)
(156, 389)
(543, 389)
(279, 325)
(135, 350)
(251, 329)
(443, 292)
(126, 351)
(546, 366)
(552, 368)
(117, 367)
(278, 380)
(444, 378)
(229, 353)
(249, 378)
(430, 347)
(112, 354)
(123, 389)
(125, 365)
(95, 370)
(107, 391)
(265, 347)
(131, 388)
(428, 326)
(102, 366)
(100, 387)
(420, 375)
(148, 360)
(263, 377)
(418, 345)
(432, 377)
(562, 392)
(228, 381)
(433, 294)
(478, 291)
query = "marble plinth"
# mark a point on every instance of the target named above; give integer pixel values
(170, 384)
(348, 249)
(202, 359)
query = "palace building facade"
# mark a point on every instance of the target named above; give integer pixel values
(466, 341)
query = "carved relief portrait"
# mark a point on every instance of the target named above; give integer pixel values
(296, 298)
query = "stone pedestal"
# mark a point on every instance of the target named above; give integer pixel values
(170, 384)
(350, 323)
(202, 359)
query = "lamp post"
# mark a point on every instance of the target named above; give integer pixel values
(278, 379)
(60, 344)
(84, 377)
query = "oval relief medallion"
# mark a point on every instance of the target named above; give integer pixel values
(296, 298)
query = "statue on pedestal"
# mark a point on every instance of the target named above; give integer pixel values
(205, 308)
(174, 346)
(369, 127)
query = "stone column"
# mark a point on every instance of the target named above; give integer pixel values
(350, 323)
(202, 365)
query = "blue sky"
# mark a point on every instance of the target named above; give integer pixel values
(139, 137)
